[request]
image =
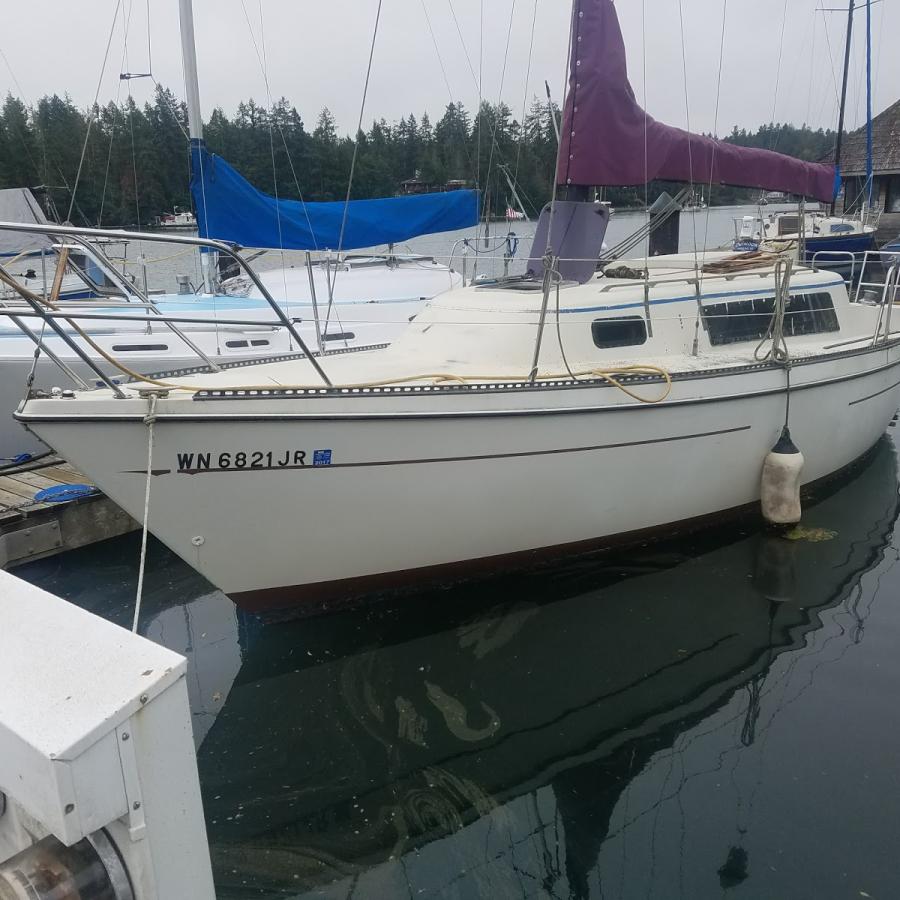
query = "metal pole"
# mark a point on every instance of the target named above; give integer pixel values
(869, 176)
(315, 305)
(229, 250)
(77, 379)
(840, 133)
(112, 273)
(189, 56)
(549, 265)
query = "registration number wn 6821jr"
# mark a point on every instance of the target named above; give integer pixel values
(225, 460)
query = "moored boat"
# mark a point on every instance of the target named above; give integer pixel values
(515, 419)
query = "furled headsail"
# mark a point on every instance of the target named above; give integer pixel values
(604, 140)
(229, 208)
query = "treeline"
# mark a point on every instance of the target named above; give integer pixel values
(135, 163)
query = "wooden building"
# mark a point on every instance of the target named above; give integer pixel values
(886, 170)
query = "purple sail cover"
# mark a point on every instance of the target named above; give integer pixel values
(603, 129)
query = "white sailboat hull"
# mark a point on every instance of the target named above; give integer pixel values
(352, 322)
(461, 479)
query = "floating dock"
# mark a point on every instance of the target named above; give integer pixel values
(47, 507)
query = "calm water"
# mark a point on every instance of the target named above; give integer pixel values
(704, 718)
(711, 228)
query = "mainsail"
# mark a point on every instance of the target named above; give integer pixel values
(607, 139)
(229, 208)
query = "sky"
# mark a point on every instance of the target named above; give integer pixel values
(315, 53)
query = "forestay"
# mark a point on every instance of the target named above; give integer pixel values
(229, 208)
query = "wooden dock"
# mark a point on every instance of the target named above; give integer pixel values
(31, 530)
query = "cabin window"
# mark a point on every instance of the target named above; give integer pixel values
(259, 343)
(788, 224)
(339, 336)
(892, 194)
(235, 345)
(623, 331)
(748, 320)
(131, 348)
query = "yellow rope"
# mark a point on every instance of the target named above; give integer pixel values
(610, 375)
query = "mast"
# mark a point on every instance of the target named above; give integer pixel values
(189, 57)
(208, 258)
(869, 164)
(840, 133)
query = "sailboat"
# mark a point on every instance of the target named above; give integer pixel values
(229, 208)
(821, 238)
(517, 420)
(337, 303)
(32, 257)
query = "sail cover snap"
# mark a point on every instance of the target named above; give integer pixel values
(608, 139)
(229, 208)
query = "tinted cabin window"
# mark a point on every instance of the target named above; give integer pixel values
(627, 331)
(748, 320)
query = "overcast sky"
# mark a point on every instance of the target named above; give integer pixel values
(316, 52)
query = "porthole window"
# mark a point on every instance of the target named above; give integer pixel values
(623, 331)
(132, 348)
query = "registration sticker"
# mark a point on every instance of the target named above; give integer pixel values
(321, 457)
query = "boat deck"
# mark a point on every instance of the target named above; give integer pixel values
(32, 529)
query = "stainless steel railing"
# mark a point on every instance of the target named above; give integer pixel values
(82, 237)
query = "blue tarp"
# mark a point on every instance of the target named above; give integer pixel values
(229, 208)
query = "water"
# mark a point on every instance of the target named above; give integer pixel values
(711, 228)
(706, 717)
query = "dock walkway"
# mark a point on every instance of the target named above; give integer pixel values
(31, 529)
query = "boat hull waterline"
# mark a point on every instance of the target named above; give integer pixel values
(397, 488)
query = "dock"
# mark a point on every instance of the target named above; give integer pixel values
(69, 512)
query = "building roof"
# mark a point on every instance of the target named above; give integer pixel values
(885, 145)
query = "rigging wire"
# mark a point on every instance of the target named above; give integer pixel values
(37, 126)
(491, 127)
(112, 130)
(362, 111)
(264, 63)
(512, 12)
(646, 129)
(778, 76)
(263, 69)
(687, 113)
(93, 114)
(440, 59)
(812, 63)
(525, 93)
(715, 134)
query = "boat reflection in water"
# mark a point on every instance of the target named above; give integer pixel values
(592, 729)
(494, 740)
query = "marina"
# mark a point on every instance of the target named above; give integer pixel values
(685, 717)
(505, 506)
